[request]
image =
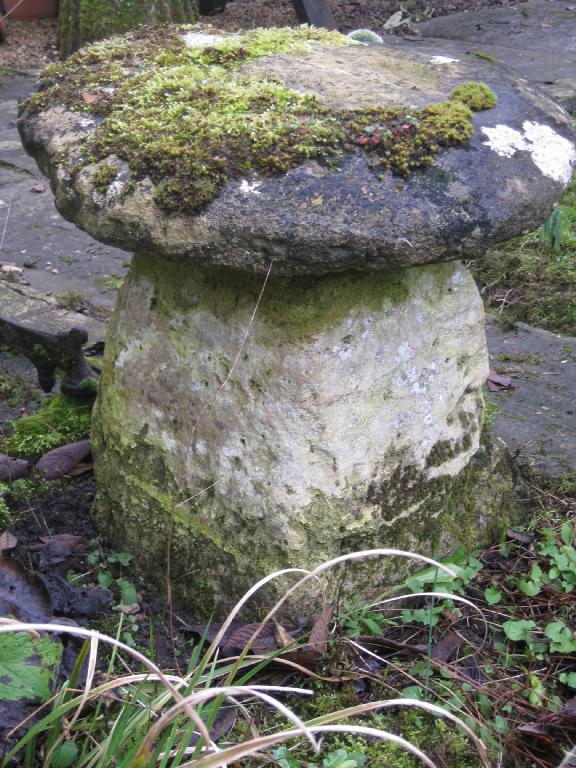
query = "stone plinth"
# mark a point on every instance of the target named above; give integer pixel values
(295, 364)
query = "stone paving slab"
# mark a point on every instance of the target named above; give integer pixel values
(56, 256)
(536, 419)
(537, 38)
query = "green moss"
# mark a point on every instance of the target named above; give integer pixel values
(483, 56)
(477, 96)
(58, 421)
(191, 120)
(103, 177)
(299, 306)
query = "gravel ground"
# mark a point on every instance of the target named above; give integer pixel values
(31, 45)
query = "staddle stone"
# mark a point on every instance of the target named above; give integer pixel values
(295, 364)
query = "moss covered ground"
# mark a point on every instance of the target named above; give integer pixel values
(59, 420)
(533, 279)
(190, 119)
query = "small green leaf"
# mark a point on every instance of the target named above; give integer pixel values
(518, 630)
(492, 595)
(530, 588)
(566, 533)
(412, 692)
(64, 755)
(105, 579)
(128, 593)
(568, 678)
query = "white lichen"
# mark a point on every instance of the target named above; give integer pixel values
(443, 60)
(553, 155)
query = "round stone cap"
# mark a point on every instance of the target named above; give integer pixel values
(296, 147)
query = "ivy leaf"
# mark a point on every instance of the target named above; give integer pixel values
(492, 595)
(27, 666)
(518, 630)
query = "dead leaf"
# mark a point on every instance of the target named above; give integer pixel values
(7, 541)
(240, 637)
(318, 640)
(22, 594)
(69, 600)
(12, 469)
(536, 731)
(89, 97)
(496, 382)
(282, 637)
(38, 188)
(524, 538)
(61, 460)
(446, 648)
(57, 548)
(81, 469)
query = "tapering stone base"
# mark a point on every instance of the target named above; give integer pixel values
(347, 420)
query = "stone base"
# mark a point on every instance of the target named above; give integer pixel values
(348, 420)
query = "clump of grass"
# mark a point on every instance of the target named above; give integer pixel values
(533, 278)
(151, 718)
(59, 420)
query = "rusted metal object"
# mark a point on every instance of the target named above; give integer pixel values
(49, 352)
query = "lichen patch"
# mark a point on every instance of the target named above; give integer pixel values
(553, 155)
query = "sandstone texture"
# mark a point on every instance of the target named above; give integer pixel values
(326, 213)
(348, 420)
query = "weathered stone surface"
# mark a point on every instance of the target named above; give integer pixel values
(347, 420)
(316, 219)
(537, 38)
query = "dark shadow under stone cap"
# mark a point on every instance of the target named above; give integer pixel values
(316, 218)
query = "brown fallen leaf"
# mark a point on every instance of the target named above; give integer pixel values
(22, 594)
(61, 460)
(496, 382)
(58, 547)
(38, 188)
(536, 731)
(446, 648)
(240, 637)
(318, 640)
(282, 636)
(89, 97)
(12, 469)
(524, 538)
(7, 541)
(81, 469)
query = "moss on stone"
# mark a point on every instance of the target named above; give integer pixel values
(429, 517)
(191, 120)
(300, 306)
(103, 177)
(477, 96)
